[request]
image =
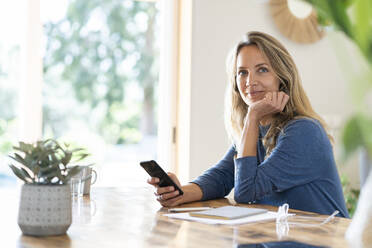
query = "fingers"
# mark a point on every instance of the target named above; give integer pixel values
(170, 199)
(174, 178)
(269, 96)
(284, 101)
(153, 181)
(163, 190)
(171, 202)
(167, 196)
(274, 101)
(278, 101)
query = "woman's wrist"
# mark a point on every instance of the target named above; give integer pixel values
(191, 192)
(249, 135)
(252, 117)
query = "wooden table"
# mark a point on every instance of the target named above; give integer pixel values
(131, 217)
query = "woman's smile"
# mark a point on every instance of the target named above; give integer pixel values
(255, 94)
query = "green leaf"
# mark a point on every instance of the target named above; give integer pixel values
(365, 125)
(363, 24)
(357, 133)
(348, 3)
(352, 17)
(77, 150)
(340, 16)
(20, 174)
(19, 159)
(81, 156)
(66, 159)
(351, 137)
(26, 148)
(335, 12)
(51, 167)
(27, 175)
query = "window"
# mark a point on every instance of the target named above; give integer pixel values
(10, 81)
(90, 77)
(100, 73)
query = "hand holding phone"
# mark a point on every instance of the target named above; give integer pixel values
(154, 170)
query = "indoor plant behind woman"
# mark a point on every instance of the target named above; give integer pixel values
(45, 205)
(354, 20)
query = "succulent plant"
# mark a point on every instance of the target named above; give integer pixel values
(46, 162)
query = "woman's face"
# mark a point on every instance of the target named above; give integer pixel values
(255, 76)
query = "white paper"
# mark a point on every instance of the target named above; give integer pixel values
(188, 209)
(255, 218)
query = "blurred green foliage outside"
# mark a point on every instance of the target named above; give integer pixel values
(96, 57)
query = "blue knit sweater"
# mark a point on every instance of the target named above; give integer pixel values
(300, 171)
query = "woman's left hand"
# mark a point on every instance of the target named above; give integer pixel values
(273, 102)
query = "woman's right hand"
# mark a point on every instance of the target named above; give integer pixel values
(167, 196)
(272, 103)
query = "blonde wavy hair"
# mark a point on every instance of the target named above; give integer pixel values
(298, 105)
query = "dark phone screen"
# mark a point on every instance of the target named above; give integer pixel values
(154, 170)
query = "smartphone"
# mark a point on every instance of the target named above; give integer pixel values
(154, 170)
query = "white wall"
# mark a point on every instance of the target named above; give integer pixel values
(216, 26)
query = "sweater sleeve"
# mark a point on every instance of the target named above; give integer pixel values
(218, 181)
(296, 160)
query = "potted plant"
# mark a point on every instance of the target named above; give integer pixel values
(45, 204)
(354, 19)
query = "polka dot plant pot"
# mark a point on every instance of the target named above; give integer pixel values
(45, 209)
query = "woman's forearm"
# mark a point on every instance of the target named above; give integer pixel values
(192, 192)
(248, 144)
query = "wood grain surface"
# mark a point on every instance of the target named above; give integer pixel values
(131, 217)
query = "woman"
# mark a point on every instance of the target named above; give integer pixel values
(281, 152)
